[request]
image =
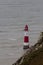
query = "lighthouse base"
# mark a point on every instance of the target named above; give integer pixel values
(26, 46)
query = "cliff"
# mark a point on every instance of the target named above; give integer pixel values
(34, 55)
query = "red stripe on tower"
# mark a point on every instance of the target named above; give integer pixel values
(26, 38)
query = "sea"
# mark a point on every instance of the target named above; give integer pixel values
(14, 15)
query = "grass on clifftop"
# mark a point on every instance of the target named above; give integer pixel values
(34, 58)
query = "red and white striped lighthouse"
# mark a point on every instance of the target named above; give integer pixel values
(26, 38)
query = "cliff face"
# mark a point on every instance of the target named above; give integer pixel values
(34, 55)
(37, 58)
(34, 58)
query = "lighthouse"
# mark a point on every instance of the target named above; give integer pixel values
(26, 38)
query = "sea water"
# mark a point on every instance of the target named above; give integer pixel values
(14, 15)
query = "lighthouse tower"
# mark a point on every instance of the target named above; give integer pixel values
(26, 38)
